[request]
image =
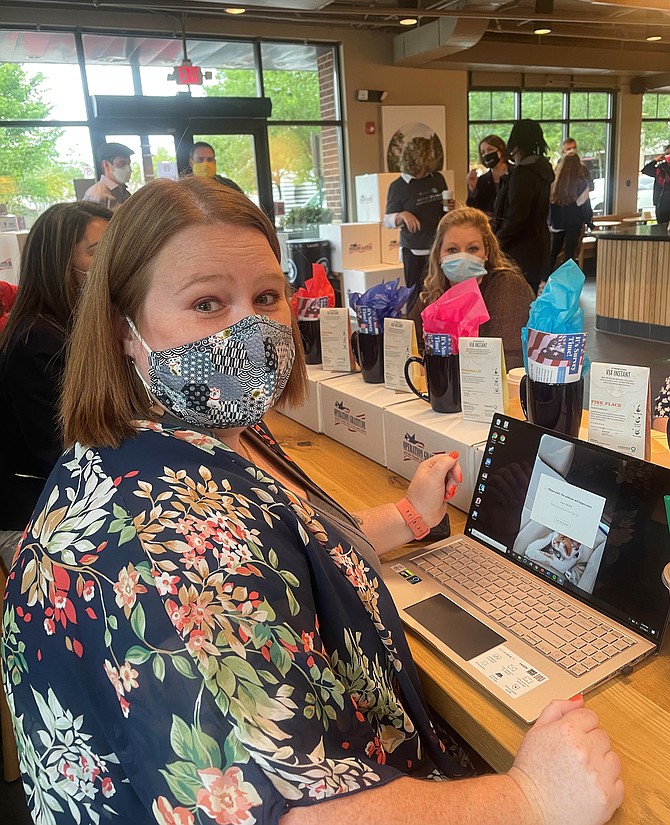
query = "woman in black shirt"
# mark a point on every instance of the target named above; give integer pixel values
(483, 189)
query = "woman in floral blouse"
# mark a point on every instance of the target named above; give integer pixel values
(193, 632)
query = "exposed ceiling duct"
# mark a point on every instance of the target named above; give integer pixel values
(437, 40)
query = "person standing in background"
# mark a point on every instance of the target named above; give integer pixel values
(570, 148)
(111, 190)
(202, 160)
(570, 208)
(414, 203)
(659, 170)
(482, 189)
(522, 206)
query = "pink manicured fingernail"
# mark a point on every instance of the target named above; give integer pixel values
(460, 478)
(451, 490)
(454, 454)
(576, 698)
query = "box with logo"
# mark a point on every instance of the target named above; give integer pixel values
(390, 245)
(352, 245)
(371, 195)
(309, 412)
(413, 432)
(361, 279)
(352, 413)
(9, 223)
(10, 254)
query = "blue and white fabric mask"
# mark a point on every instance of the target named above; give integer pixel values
(461, 266)
(229, 379)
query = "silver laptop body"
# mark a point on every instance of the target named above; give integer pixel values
(526, 610)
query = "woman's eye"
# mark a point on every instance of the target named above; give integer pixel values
(268, 298)
(207, 306)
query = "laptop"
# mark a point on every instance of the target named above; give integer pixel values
(556, 585)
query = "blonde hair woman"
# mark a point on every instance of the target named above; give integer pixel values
(465, 247)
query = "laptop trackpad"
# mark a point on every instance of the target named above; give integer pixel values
(459, 630)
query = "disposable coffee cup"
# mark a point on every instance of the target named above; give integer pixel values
(447, 196)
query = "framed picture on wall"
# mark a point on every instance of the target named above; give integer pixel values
(403, 124)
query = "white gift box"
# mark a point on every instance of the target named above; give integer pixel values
(371, 195)
(352, 413)
(10, 254)
(352, 245)
(361, 279)
(309, 412)
(414, 432)
(390, 245)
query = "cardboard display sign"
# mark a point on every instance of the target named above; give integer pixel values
(620, 408)
(399, 344)
(335, 338)
(483, 378)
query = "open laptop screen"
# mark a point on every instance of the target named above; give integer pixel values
(591, 521)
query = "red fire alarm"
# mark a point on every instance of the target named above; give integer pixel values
(370, 127)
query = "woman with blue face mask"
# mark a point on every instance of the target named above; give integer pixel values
(465, 248)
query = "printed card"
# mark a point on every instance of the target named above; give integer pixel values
(620, 408)
(483, 378)
(555, 358)
(335, 337)
(399, 344)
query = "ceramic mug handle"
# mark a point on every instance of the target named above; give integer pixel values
(408, 364)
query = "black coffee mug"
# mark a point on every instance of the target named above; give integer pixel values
(369, 354)
(443, 377)
(311, 340)
(555, 407)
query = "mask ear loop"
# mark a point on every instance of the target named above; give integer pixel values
(135, 331)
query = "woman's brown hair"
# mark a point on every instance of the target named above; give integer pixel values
(436, 283)
(495, 141)
(102, 394)
(569, 181)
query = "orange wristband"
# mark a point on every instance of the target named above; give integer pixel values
(412, 519)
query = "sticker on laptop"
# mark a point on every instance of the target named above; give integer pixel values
(411, 577)
(508, 671)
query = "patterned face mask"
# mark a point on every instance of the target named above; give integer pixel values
(229, 379)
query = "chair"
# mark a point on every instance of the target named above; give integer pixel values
(10, 756)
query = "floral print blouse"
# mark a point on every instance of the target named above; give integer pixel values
(186, 642)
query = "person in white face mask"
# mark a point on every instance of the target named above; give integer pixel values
(111, 190)
(465, 247)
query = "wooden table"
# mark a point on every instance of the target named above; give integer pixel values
(634, 709)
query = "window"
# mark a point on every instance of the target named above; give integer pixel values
(585, 116)
(41, 82)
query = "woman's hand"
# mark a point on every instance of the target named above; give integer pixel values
(472, 179)
(565, 763)
(411, 221)
(434, 483)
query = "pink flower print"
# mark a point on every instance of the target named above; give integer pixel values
(178, 613)
(226, 797)
(128, 676)
(88, 591)
(108, 788)
(113, 676)
(165, 814)
(127, 587)
(50, 627)
(165, 583)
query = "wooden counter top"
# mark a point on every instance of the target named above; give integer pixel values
(634, 709)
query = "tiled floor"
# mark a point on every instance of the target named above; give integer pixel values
(601, 346)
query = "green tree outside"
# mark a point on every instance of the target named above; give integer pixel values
(295, 96)
(33, 175)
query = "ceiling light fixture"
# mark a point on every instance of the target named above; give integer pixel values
(653, 38)
(408, 21)
(235, 11)
(541, 28)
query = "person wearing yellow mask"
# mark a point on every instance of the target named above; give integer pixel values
(203, 164)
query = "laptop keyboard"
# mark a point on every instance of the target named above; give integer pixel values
(560, 629)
